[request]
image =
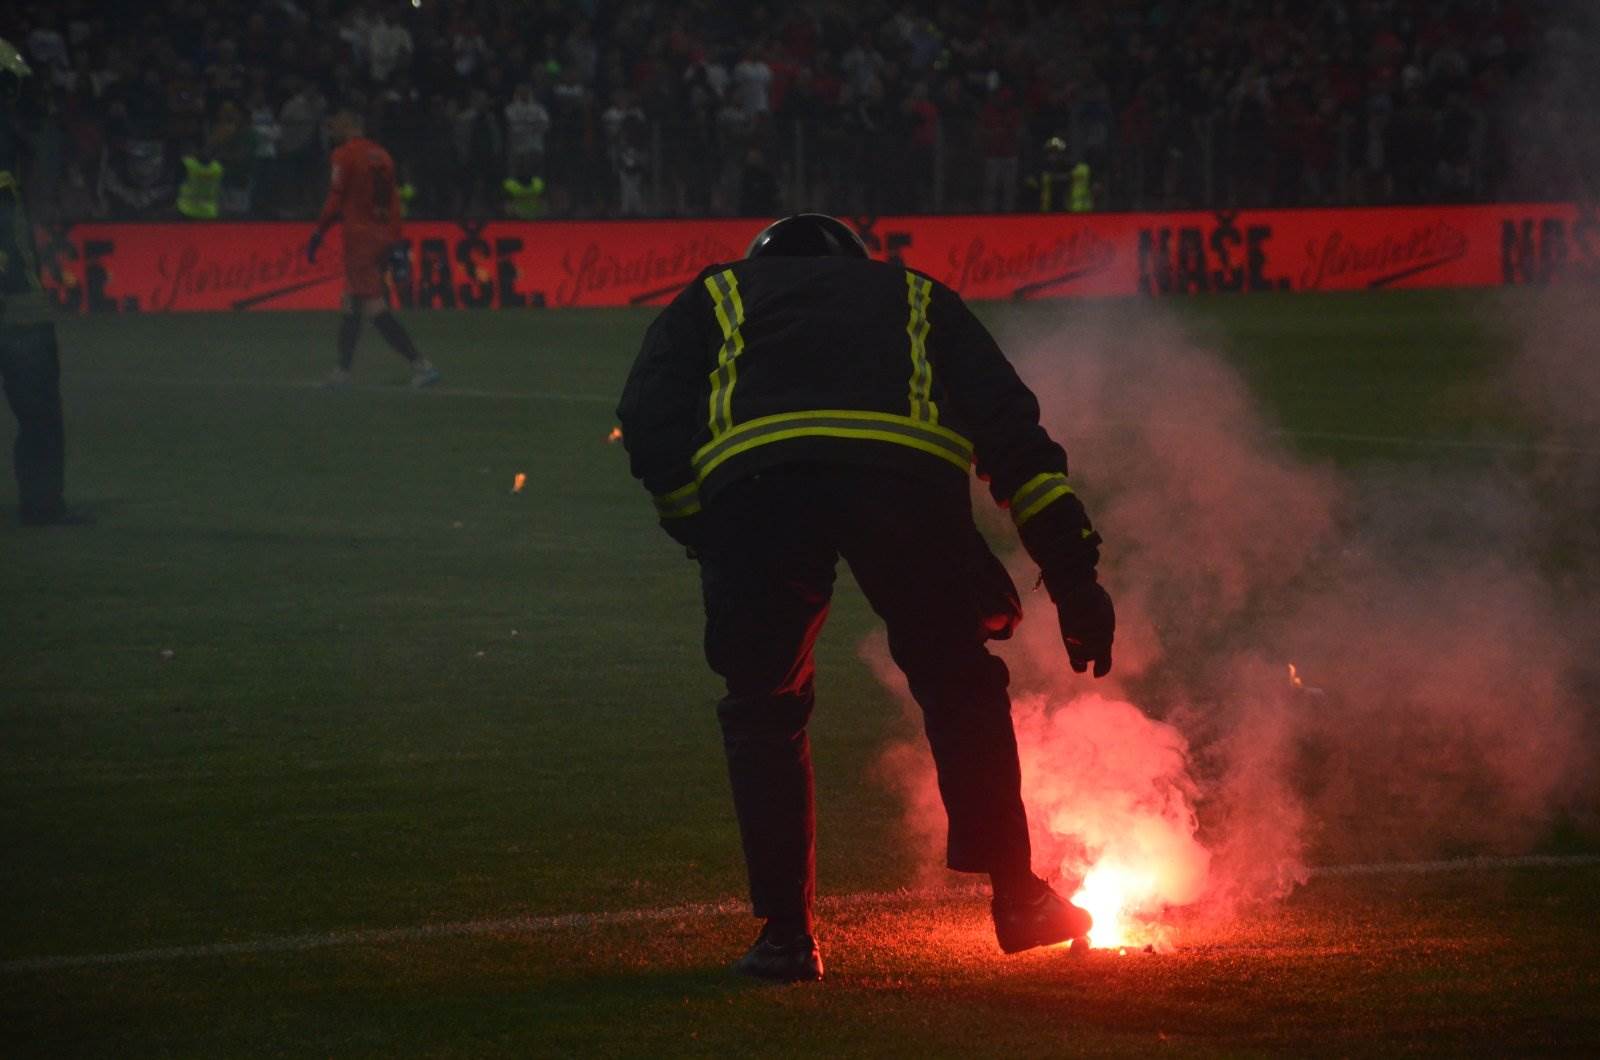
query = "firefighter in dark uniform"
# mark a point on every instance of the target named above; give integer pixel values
(29, 366)
(808, 403)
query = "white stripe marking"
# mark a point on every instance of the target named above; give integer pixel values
(541, 925)
(442, 390)
(1479, 864)
(1492, 445)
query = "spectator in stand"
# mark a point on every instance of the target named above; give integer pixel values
(436, 167)
(920, 116)
(1204, 103)
(231, 142)
(47, 48)
(389, 47)
(480, 148)
(758, 186)
(355, 33)
(1413, 147)
(1000, 133)
(624, 129)
(752, 82)
(570, 138)
(469, 50)
(266, 134)
(527, 122)
(631, 171)
(186, 106)
(80, 196)
(580, 53)
(140, 179)
(1457, 137)
(301, 121)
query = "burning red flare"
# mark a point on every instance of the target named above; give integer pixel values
(1112, 803)
(615, 436)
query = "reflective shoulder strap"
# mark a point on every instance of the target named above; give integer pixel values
(919, 293)
(729, 307)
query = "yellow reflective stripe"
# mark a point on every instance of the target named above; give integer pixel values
(724, 288)
(1038, 493)
(837, 432)
(919, 291)
(681, 502)
(22, 239)
(937, 441)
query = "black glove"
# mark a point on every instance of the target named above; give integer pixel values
(314, 243)
(686, 530)
(999, 604)
(398, 262)
(1066, 547)
(1088, 625)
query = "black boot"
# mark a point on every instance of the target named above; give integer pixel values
(784, 958)
(1036, 916)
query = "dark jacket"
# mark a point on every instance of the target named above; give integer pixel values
(778, 360)
(23, 301)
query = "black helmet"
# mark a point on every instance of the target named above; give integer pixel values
(807, 235)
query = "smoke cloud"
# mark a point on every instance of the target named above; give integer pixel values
(1438, 615)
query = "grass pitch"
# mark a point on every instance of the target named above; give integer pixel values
(318, 668)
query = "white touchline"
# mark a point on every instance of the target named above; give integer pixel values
(111, 379)
(539, 925)
(1400, 868)
(1491, 445)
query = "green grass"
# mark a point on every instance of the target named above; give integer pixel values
(400, 694)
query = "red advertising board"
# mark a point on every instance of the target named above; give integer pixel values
(514, 265)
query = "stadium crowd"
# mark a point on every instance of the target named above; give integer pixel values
(594, 108)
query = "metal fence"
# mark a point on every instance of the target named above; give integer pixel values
(737, 166)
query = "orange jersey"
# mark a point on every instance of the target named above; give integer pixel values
(363, 193)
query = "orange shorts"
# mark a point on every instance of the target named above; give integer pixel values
(364, 265)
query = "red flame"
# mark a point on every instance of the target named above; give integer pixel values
(1112, 806)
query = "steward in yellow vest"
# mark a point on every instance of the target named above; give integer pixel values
(525, 202)
(201, 189)
(1053, 182)
(1081, 198)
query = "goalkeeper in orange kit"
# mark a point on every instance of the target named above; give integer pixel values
(364, 199)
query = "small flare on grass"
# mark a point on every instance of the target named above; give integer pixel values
(615, 436)
(518, 481)
(1298, 683)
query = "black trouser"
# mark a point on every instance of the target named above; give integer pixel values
(767, 575)
(31, 372)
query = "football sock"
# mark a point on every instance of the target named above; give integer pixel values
(394, 333)
(349, 330)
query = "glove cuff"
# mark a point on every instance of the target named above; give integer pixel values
(1063, 544)
(1065, 581)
